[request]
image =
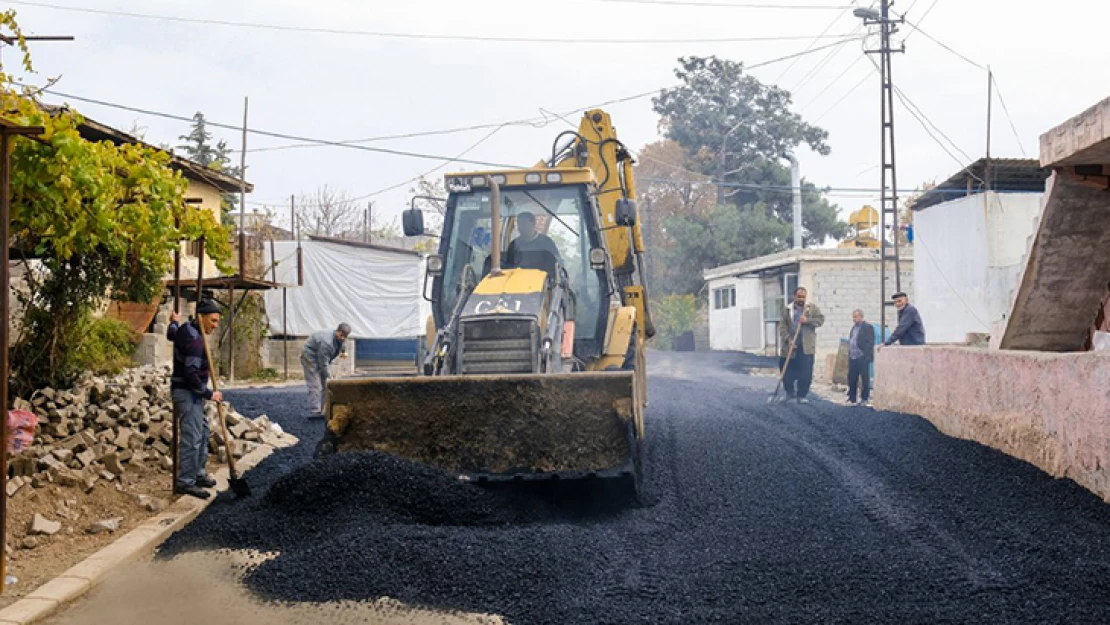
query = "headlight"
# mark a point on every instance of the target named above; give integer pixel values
(554, 177)
(597, 257)
(532, 178)
(499, 179)
(477, 181)
(435, 264)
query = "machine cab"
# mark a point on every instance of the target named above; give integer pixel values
(548, 224)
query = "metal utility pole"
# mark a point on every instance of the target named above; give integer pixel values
(888, 202)
(796, 188)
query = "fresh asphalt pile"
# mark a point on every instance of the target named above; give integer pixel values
(757, 514)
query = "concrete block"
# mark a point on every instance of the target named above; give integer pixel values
(61, 589)
(28, 610)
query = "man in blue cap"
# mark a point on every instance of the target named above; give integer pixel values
(189, 390)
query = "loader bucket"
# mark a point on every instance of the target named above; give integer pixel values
(519, 426)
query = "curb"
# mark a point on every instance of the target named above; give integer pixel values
(87, 574)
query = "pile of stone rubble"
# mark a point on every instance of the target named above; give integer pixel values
(102, 427)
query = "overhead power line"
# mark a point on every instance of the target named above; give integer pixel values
(831, 84)
(352, 144)
(418, 36)
(945, 46)
(266, 133)
(816, 189)
(843, 98)
(1006, 110)
(735, 5)
(535, 122)
(811, 44)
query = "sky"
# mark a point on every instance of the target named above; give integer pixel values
(1049, 62)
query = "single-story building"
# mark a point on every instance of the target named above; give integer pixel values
(747, 298)
(205, 190)
(971, 243)
(377, 289)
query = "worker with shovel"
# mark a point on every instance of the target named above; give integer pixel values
(189, 389)
(798, 338)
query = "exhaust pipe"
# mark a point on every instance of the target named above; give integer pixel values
(495, 226)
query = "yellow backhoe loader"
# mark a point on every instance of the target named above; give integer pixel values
(535, 364)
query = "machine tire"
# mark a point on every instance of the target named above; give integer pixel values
(630, 355)
(326, 446)
(635, 481)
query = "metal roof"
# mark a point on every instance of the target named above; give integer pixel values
(1007, 175)
(372, 246)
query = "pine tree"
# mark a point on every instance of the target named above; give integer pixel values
(198, 148)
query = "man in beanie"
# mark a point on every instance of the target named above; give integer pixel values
(319, 350)
(189, 390)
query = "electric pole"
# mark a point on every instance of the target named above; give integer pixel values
(888, 201)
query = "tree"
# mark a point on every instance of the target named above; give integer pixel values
(198, 148)
(99, 220)
(667, 189)
(433, 211)
(729, 130)
(330, 213)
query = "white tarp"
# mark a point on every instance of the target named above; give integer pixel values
(378, 292)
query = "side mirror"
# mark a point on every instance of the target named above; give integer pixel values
(626, 212)
(597, 258)
(413, 222)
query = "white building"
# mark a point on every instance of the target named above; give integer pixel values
(970, 246)
(376, 289)
(746, 298)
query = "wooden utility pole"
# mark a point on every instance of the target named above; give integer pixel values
(987, 162)
(7, 131)
(242, 246)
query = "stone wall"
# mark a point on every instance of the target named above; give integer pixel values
(1052, 410)
(838, 288)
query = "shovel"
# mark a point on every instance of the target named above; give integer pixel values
(790, 354)
(239, 486)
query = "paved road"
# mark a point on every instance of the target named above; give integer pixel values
(759, 514)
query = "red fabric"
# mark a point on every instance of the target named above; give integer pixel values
(21, 430)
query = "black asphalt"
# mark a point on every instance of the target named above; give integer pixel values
(758, 514)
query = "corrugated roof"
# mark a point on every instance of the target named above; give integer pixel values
(372, 246)
(1007, 175)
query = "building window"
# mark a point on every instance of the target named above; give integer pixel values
(724, 297)
(789, 285)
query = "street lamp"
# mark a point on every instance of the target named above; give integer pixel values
(867, 14)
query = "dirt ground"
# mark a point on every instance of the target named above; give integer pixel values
(76, 511)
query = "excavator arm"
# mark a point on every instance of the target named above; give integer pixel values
(595, 145)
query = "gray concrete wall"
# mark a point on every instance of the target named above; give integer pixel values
(840, 287)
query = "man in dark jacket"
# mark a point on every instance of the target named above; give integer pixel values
(861, 351)
(528, 250)
(189, 390)
(910, 330)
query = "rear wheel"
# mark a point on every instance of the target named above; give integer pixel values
(635, 481)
